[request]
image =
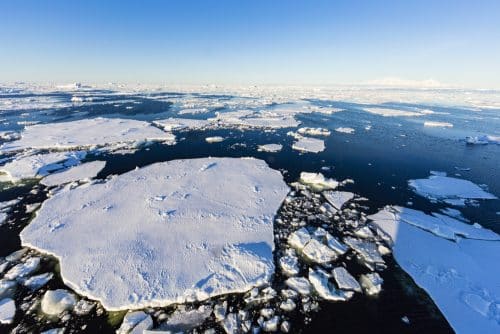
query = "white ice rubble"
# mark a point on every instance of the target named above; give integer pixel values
(55, 302)
(338, 198)
(38, 165)
(306, 144)
(459, 274)
(345, 130)
(389, 112)
(256, 119)
(314, 131)
(95, 132)
(7, 311)
(448, 189)
(176, 124)
(187, 230)
(482, 140)
(272, 148)
(438, 124)
(317, 181)
(84, 171)
(215, 139)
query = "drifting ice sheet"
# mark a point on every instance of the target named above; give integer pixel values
(186, 230)
(173, 124)
(461, 277)
(306, 144)
(87, 133)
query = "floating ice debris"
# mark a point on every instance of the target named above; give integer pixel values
(443, 188)
(256, 119)
(299, 238)
(270, 148)
(231, 324)
(55, 302)
(23, 269)
(220, 311)
(367, 251)
(271, 325)
(316, 252)
(38, 165)
(184, 321)
(193, 111)
(314, 131)
(386, 112)
(36, 282)
(7, 288)
(84, 171)
(9, 135)
(216, 139)
(344, 280)
(288, 305)
(319, 281)
(338, 198)
(317, 181)
(299, 284)
(345, 130)
(371, 283)
(84, 307)
(95, 132)
(306, 144)
(135, 323)
(7, 311)
(336, 245)
(289, 264)
(482, 140)
(176, 124)
(459, 276)
(438, 124)
(95, 231)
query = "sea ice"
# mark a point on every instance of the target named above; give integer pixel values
(338, 198)
(36, 282)
(55, 302)
(256, 119)
(131, 251)
(7, 311)
(317, 180)
(459, 275)
(176, 124)
(322, 286)
(184, 321)
(386, 112)
(216, 139)
(314, 131)
(95, 132)
(306, 144)
(316, 252)
(82, 172)
(299, 284)
(345, 130)
(38, 165)
(444, 188)
(270, 148)
(482, 140)
(135, 323)
(438, 124)
(299, 238)
(371, 283)
(344, 280)
(23, 269)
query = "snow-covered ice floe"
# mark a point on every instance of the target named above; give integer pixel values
(38, 165)
(175, 124)
(345, 130)
(95, 132)
(314, 131)
(448, 189)
(256, 119)
(187, 230)
(317, 181)
(306, 144)
(82, 172)
(272, 148)
(438, 124)
(459, 275)
(338, 198)
(387, 112)
(482, 140)
(215, 139)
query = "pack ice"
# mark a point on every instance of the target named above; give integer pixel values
(460, 275)
(86, 133)
(186, 230)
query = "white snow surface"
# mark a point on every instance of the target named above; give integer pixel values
(314, 131)
(460, 276)
(82, 172)
(256, 119)
(272, 148)
(38, 165)
(7, 311)
(174, 124)
(338, 198)
(306, 144)
(440, 187)
(86, 133)
(186, 230)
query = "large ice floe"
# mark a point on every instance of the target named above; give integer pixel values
(186, 230)
(306, 144)
(84, 171)
(448, 189)
(459, 274)
(176, 124)
(256, 119)
(93, 132)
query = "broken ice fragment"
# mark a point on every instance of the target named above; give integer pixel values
(371, 283)
(54, 302)
(319, 280)
(345, 280)
(7, 311)
(317, 181)
(299, 284)
(316, 252)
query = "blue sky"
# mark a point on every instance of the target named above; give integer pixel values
(251, 42)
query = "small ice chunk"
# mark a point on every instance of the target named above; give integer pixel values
(23, 269)
(345, 280)
(289, 264)
(215, 139)
(306, 144)
(314, 131)
(345, 130)
(84, 307)
(220, 311)
(271, 325)
(288, 305)
(36, 282)
(367, 250)
(7, 288)
(135, 323)
(272, 148)
(319, 280)
(336, 245)
(7, 311)
(371, 283)
(316, 252)
(184, 321)
(55, 302)
(317, 180)
(231, 324)
(438, 124)
(338, 198)
(299, 284)
(299, 238)
(175, 124)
